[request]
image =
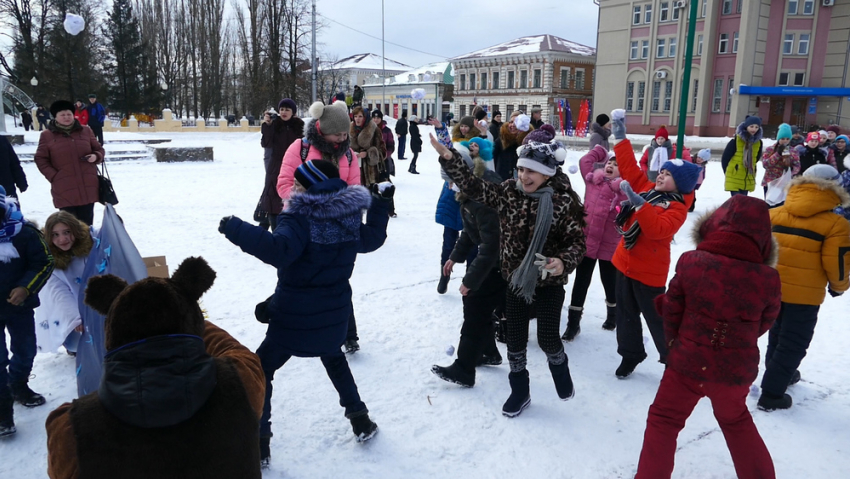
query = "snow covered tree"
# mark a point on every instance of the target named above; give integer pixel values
(129, 60)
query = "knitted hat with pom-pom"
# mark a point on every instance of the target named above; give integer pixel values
(544, 134)
(543, 158)
(331, 119)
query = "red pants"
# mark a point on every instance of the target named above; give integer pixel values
(677, 396)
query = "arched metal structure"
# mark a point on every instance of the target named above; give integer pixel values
(14, 98)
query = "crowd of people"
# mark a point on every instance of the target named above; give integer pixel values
(509, 211)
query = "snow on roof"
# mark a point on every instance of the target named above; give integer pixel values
(533, 44)
(437, 69)
(368, 61)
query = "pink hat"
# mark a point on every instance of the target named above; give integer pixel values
(813, 136)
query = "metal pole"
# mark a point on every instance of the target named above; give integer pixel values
(686, 79)
(383, 64)
(2, 109)
(313, 55)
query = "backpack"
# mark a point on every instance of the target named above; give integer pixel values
(305, 149)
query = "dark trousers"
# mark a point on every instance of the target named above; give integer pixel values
(413, 161)
(272, 359)
(634, 298)
(787, 342)
(84, 213)
(477, 336)
(584, 275)
(677, 396)
(98, 132)
(352, 328)
(402, 140)
(272, 222)
(20, 322)
(548, 302)
(739, 192)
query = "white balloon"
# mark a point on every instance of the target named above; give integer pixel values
(74, 24)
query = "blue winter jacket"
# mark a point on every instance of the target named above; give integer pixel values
(97, 114)
(448, 209)
(313, 248)
(30, 270)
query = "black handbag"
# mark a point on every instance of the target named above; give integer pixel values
(105, 191)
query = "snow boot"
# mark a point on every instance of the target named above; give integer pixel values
(610, 323)
(443, 285)
(351, 346)
(573, 321)
(490, 356)
(363, 427)
(795, 378)
(455, 374)
(265, 452)
(627, 367)
(520, 397)
(24, 395)
(7, 416)
(770, 402)
(563, 380)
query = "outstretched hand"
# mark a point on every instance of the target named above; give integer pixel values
(441, 148)
(223, 223)
(618, 124)
(636, 199)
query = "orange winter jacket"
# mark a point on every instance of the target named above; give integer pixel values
(814, 242)
(649, 259)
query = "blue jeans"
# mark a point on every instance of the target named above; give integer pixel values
(401, 142)
(20, 322)
(787, 343)
(273, 358)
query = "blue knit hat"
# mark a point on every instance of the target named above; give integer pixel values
(784, 131)
(752, 120)
(684, 173)
(485, 147)
(314, 172)
(842, 137)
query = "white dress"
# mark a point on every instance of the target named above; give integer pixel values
(59, 312)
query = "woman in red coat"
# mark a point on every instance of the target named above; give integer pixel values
(67, 155)
(81, 114)
(712, 336)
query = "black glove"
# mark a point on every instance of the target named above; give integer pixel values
(779, 149)
(834, 294)
(223, 223)
(23, 188)
(384, 190)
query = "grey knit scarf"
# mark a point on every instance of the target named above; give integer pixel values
(524, 278)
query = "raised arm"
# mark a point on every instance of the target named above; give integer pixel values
(278, 249)
(476, 188)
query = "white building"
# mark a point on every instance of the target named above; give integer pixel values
(396, 94)
(356, 69)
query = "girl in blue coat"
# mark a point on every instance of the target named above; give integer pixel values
(313, 248)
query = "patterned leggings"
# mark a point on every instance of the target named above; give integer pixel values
(548, 301)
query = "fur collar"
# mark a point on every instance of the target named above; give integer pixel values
(597, 128)
(457, 136)
(364, 139)
(745, 135)
(82, 248)
(336, 204)
(511, 140)
(697, 238)
(823, 185)
(329, 151)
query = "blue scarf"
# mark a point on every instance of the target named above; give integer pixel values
(12, 224)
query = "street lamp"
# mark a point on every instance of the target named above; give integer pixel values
(34, 81)
(164, 87)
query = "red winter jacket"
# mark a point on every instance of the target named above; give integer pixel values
(649, 259)
(724, 296)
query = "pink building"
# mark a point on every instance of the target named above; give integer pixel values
(787, 61)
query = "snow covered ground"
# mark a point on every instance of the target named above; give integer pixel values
(430, 428)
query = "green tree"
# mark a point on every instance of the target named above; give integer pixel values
(129, 59)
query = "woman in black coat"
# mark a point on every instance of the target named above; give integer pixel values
(415, 143)
(285, 129)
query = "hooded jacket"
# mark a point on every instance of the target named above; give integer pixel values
(599, 136)
(73, 182)
(368, 139)
(602, 197)
(724, 296)
(773, 162)
(30, 269)
(738, 177)
(320, 149)
(415, 138)
(814, 242)
(281, 135)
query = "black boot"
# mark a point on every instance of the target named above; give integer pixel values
(351, 346)
(7, 416)
(443, 285)
(626, 368)
(610, 323)
(771, 402)
(490, 356)
(455, 374)
(265, 452)
(563, 380)
(363, 427)
(573, 321)
(24, 395)
(520, 397)
(795, 378)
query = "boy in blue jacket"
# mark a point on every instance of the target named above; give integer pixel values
(25, 266)
(313, 248)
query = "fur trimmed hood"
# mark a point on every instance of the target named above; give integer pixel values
(597, 128)
(81, 249)
(335, 201)
(330, 151)
(702, 228)
(808, 196)
(745, 135)
(457, 136)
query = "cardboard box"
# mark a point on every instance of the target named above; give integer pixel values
(157, 267)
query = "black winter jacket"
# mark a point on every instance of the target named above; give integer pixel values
(30, 270)
(480, 227)
(11, 173)
(401, 126)
(415, 138)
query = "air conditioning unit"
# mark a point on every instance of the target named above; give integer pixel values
(660, 74)
(828, 3)
(681, 4)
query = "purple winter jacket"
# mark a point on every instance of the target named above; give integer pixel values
(602, 197)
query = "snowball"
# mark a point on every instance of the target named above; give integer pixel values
(74, 24)
(417, 93)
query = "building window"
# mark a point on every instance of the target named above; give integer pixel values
(704, 5)
(735, 42)
(783, 79)
(565, 77)
(511, 83)
(462, 81)
(523, 78)
(641, 94)
(660, 48)
(483, 81)
(668, 95)
(537, 78)
(671, 52)
(647, 13)
(792, 7)
(579, 79)
(472, 84)
(462, 111)
(699, 46)
(729, 96)
(495, 80)
(808, 7)
(633, 52)
(664, 12)
(740, 5)
(493, 109)
(656, 95)
(788, 44)
(509, 110)
(718, 95)
(524, 109)
(799, 78)
(636, 16)
(694, 101)
(630, 92)
(644, 49)
(675, 13)
(803, 44)
(724, 43)
(727, 7)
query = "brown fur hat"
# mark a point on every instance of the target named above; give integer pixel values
(153, 306)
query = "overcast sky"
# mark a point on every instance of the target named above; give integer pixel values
(449, 28)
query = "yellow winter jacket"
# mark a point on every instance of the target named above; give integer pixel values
(814, 242)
